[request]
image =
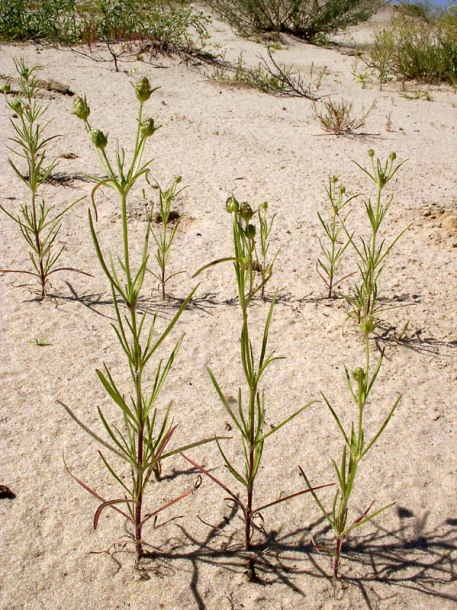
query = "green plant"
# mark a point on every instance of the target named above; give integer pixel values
(138, 440)
(372, 251)
(306, 19)
(337, 117)
(52, 20)
(421, 46)
(39, 342)
(164, 237)
(378, 57)
(419, 94)
(38, 222)
(333, 228)
(362, 77)
(262, 263)
(248, 416)
(356, 446)
(170, 27)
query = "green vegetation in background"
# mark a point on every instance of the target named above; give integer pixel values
(170, 26)
(420, 45)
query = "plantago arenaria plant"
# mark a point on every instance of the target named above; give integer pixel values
(332, 253)
(373, 251)
(38, 222)
(165, 235)
(138, 440)
(263, 264)
(356, 447)
(248, 415)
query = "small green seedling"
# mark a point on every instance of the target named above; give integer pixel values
(263, 264)
(332, 253)
(356, 447)
(164, 237)
(39, 223)
(39, 342)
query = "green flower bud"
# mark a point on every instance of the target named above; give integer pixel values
(371, 153)
(143, 89)
(148, 128)
(81, 108)
(16, 106)
(6, 88)
(368, 325)
(358, 374)
(250, 231)
(264, 205)
(246, 211)
(232, 205)
(392, 156)
(99, 139)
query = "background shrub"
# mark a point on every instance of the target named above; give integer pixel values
(307, 19)
(420, 45)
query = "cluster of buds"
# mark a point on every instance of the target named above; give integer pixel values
(81, 108)
(99, 139)
(16, 106)
(143, 92)
(368, 325)
(148, 127)
(243, 212)
(382, 175)
(143, 89)
(361, 378)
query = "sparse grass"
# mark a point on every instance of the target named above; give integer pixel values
(271, 77)
(418, 94)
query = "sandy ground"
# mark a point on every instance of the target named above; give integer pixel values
(221, 139)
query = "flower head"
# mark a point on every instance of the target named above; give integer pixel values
(250, 231)
(16, 106)
(99, 139)
(143, 89)
(232, 205)
(358, 374)
(81, 108)
(148, 128)
(246, 211)
(368, 325)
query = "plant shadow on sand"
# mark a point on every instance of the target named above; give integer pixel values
(411, 556)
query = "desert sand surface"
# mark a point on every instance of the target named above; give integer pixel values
(225, 139)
